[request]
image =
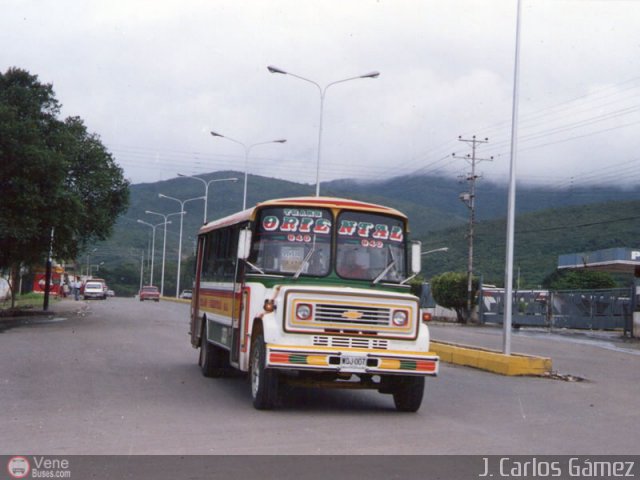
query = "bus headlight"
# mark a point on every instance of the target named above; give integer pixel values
(400, 318)
(304, 311)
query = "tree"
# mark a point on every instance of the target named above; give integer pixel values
(579, 280)
(450, 291)
(55, 175)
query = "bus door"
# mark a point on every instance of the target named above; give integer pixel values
(242, 242)
(195, 323)
(236, 320)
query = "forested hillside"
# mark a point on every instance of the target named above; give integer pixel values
(539, 239)
(436, 214)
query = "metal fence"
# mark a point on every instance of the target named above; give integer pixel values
(589, 309)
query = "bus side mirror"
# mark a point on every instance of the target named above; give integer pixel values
(416, 257)
(244, 244)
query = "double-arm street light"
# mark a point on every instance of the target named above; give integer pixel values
(165, 216)
(153, 243)
(182, 214)
(323, 91)
(206, 189)
(247, 149)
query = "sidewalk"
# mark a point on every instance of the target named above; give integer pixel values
(579, 353)
(65, 306)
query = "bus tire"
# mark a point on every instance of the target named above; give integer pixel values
(264, 381)
(408, 393)
(214, 361)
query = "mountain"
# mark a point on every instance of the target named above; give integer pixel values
(441, 194)
(436, 215)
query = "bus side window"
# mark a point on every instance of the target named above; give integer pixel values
(209, 260)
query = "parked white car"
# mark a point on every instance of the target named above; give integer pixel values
(93, 289)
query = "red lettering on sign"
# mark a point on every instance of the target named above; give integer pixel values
(322, 226)
(364, 228)
(305, 224)
(347, 227)
(381, 232)
(396, 234)
(289, 224)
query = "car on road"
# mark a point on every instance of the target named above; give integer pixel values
(111, 293)
(186, 294)
(149, 293)
(94, 289)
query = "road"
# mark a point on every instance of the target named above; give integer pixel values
(120, 377)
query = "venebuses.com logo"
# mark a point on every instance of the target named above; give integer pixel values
(18, 467)
(38, 467)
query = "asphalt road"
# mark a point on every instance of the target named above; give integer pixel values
(120, 377)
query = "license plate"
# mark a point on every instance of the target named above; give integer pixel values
(352, 362)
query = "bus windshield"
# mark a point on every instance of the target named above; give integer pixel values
(295, 241)
(370, 247)
(298, 241)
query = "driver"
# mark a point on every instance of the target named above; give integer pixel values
(351, 267)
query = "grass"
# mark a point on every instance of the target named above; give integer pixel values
(28, 301)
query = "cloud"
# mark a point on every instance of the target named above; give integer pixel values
(152, 78)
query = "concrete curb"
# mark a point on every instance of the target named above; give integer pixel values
(491, 360)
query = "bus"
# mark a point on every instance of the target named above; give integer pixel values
(312, 291)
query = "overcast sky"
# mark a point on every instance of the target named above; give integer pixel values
(152, 78)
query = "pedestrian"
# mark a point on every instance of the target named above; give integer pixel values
(75, 285)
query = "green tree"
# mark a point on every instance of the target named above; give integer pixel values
(55, 176)
(579, 280)
(450, 291)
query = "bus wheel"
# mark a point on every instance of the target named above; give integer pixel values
(264, 382)
(408, 393)
(214, 360)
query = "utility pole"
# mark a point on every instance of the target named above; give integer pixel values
(469, 199)
(47, 281)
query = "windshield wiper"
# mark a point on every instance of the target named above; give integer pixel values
(387, 268)
(254, 267)
(305, 261)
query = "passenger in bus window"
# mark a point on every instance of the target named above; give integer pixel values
(317, 265)
(352, 266)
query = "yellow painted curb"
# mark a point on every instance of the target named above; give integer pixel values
(491, 360)
(177, 300)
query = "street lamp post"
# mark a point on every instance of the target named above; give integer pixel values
(322, 91)
(247, 149)
(88, 258)
(443, 249)
(97, 265)
(165, 216)
(435, 250)
(153, 244)
(206, 189)
(182, 214)
(511, 202)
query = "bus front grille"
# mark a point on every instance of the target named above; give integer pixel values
(350, 342)
(352, 315)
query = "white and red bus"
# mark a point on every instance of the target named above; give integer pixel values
(312, 291)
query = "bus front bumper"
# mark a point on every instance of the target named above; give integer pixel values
(383, 362)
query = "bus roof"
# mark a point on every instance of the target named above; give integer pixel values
(320, 202)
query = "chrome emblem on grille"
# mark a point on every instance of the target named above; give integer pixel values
(352, 315)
